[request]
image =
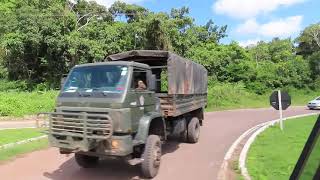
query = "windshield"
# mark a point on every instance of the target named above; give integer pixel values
(318, 98)
(105, 78)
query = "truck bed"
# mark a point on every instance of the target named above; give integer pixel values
(176, 105)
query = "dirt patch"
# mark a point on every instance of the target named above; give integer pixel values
(230, 168)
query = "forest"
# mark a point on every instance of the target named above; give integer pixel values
(40, 40)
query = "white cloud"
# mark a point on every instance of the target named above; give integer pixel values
(249, 42)
(248, 27)
(282, 27)
(108, 3)
(244, 9)
(277, 28)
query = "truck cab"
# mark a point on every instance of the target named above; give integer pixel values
(101, 99)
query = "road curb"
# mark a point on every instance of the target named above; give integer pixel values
(260, 128)
(5, 146)
(228, 155)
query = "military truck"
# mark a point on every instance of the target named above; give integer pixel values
(101, 112)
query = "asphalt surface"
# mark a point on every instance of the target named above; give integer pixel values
(179, 161)
(17, 124)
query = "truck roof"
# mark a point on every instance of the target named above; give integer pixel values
(184, 76)
(124, 63)
(145, 54)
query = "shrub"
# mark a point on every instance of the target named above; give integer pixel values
(233, 95)
(13, 85)
(26, 103)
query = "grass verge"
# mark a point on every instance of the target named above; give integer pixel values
(221, 96)
(19, 104)
(225, 96)
(14, 135)
(12, 152)
(274, 153)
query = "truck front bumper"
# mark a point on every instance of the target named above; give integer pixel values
(114, 146)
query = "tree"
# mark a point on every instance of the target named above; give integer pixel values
(309, 40)
(276, 51)
(225, 62)
(131, 12)
(314, 61)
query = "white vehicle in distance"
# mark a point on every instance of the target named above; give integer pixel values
(314, 104)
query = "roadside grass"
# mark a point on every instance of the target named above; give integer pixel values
(313, 162)
(15, 151)
(14, 135)
(274, 153)
(221, 96)
(234, 96)
(18, 104)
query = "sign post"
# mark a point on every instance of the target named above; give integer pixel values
(280, 101)
(280, 109)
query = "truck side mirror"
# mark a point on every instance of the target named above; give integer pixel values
(152, 84)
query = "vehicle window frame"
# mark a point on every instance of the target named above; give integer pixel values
(135, 70)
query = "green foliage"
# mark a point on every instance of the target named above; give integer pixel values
(309, 40)
(314, 61)
(232, 96)
(219, 58)
(42, 40)
(277, 66)
(236, 95)
(164, 81)
(26, 103)
(274, 153)
(12, 86)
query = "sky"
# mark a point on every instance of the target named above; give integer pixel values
(249, 21)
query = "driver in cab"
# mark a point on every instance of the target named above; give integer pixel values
(141, 85)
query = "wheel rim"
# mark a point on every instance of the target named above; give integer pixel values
(157, 155)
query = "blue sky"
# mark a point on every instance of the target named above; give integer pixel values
(248, 20)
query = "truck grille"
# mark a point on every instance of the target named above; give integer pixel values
(87, 125)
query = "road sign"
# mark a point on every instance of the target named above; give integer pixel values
(280, 101)
(285, 100)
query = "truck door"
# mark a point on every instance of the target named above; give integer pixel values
(144, 98)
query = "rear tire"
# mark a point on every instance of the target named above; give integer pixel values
(193, 130)
(151, 157)
(86, 161)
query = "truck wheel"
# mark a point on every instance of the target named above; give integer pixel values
(151, 157)
(193, 130)
(86, 161)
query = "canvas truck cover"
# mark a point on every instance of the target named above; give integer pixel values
(184, 76)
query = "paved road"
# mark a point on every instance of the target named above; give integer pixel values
(17, 124)
(180, 160)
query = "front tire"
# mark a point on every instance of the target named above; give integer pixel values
(193, 130)
(86, 161)
(151, 156)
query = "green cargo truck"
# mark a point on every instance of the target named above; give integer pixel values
(127, 107)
